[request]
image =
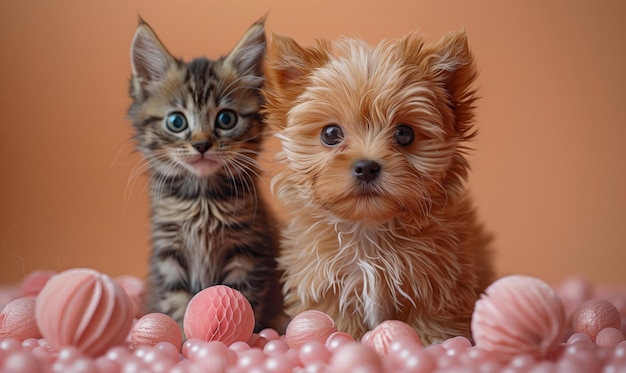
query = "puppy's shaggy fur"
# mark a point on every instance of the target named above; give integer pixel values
(373, 144)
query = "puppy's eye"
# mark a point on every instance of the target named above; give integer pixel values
(226, 119)
(331, 135)
(404, 135)
(176, 122)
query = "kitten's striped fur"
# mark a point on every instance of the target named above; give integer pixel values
(199, 128)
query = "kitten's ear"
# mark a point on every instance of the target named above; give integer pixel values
(149, 59)
(287, 62)
(247, 56)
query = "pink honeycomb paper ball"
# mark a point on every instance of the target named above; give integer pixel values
(17, 320)
(153, 328)
(219, 313)
(518, 315)
(387, 332)
(83, 308)
(311, 325)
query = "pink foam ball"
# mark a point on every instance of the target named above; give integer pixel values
(381, 337)
(154, 328)
(34, 282)
(219, 313)
(595, 315)
(518, 315)
(17, 320)
(83, 308)
(311, 325)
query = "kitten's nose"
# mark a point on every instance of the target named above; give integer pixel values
(202, 147)
(366, 170)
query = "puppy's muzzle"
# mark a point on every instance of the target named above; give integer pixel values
(366, 170)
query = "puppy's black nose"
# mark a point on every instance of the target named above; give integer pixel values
(366, 170)
(202, 147)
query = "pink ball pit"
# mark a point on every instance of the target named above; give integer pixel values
(152, 343)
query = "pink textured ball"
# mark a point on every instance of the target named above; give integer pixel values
(153, 328)
(381, 337)
(518, 315)
(595, 315)
(311, 325)
(219, 313)
(17, 320)
(83, 308)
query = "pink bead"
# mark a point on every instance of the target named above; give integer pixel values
(595, 315)
(154, 328)
(313, 351)
(257, 341)
(169, 350)
(83, 308)
(269, 334)
(34, 282)
(275, 347)
(21, 362)
(278, 364)
(579, 338)
(311, 325)
(381, 337)
(219, 313)
(609, 337)
(104, 365)
(518, 315)
(356, 357)
(249, 359)
(17, 320)
(337, 339)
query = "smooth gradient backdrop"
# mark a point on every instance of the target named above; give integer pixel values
(549, 172)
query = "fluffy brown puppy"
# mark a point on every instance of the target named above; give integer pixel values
(374, 148)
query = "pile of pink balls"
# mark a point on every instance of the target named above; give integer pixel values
(81, 320)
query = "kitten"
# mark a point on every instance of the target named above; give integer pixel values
(199, 128)
(373, 144)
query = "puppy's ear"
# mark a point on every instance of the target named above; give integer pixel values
(287, 63)
(450, 64)
(287, 68)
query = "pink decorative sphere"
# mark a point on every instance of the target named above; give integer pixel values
(387, 332)
(595, 315)
(83, 308)
(153, 328)
(219, 313)
(311, 325)
(518, 315)
(17, 320)
(135, 289)
(34, 282)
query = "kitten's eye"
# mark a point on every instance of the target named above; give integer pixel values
(176, 122)
(331, 135)
(404, 135)
(226, 119)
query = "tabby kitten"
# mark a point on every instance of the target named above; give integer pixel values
(199, 128)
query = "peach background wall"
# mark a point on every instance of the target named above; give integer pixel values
(549, 173)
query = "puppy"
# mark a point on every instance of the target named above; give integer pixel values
(374, 143)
